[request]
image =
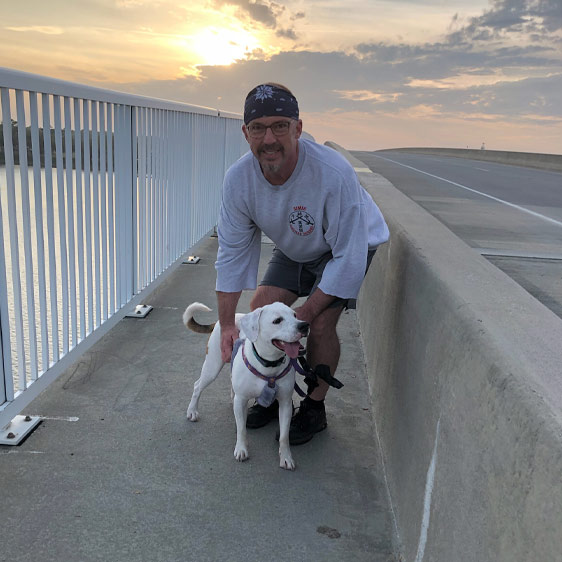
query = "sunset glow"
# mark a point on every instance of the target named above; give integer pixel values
(367, 74)
(212, 46)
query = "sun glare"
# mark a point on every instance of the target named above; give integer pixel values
(217, 47)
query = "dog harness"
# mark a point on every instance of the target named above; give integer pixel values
(300, 365)
(269, 391)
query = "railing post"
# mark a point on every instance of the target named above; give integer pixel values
(134, 242)
(14, 246)
(2, 372)
(6, 383)
(124, 205)
(6, 364)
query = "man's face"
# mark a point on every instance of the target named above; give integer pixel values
(277, 154)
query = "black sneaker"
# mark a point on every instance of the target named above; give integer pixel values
(258, 416)
(305, 423)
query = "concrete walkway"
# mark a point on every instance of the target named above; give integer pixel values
(115, 472)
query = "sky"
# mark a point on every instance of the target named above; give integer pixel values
(368, 74)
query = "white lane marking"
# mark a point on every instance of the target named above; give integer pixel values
(427, 499)
(58, 418)
(518, 207)
(517, 254)
(22, 452)
(483, 169)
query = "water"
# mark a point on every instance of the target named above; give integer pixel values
(44, 290)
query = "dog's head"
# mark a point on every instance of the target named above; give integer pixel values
(274, 328)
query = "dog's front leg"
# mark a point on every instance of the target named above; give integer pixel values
(240, 414)
(285, 458)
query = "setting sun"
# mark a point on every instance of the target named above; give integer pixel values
(219, 47)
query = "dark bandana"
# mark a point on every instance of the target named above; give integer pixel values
(269, 101)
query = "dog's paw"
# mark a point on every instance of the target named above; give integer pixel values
(287, 463)
(241, 453)
(192, 415)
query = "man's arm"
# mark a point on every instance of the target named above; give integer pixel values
(314, 305)
(229, 332)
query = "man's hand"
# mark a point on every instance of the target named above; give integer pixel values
(304, 314)
(314, 305)
(229, 334)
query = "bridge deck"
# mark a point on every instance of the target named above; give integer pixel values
(116, 472)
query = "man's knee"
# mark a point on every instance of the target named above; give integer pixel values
(258, 300)
(266, 294)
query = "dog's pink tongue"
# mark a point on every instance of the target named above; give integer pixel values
(291, 348)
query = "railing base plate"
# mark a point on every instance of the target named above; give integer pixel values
(141, 310)
(18, 429)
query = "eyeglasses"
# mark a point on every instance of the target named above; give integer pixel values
(279, 128)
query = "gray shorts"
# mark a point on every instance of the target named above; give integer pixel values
(302, 278)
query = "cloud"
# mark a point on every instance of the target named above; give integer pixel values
(259, 11)
(513, 40)
(514, 17)
(288, 33)
(267, 13)
(367, 95)
(490, 68)
(45, 29)
(340, 82)
(263, 13)
(130, 3)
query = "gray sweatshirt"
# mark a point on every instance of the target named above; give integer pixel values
(321, 208)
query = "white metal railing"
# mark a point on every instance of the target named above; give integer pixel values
(100, 193)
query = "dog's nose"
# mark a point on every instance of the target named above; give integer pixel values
(303, 327)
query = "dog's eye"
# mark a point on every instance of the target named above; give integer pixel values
(278, 321)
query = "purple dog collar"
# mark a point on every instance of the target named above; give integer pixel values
(270, 380)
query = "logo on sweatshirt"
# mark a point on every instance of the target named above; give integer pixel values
(300, 221)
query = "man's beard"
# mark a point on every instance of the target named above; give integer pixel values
(273, 168)
(266, 166)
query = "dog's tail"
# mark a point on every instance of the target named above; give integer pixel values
(192, 324)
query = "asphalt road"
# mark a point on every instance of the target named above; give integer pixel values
(511, 215)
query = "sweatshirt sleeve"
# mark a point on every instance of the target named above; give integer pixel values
(239, 245)
(352, 225)
(347, 235)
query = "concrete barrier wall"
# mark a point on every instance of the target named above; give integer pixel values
(465, 374)
(552, 162)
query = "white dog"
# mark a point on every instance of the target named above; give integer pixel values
(262, 367)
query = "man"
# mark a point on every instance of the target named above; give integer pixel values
(325, 226)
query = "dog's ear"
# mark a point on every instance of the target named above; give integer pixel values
(250, 324)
